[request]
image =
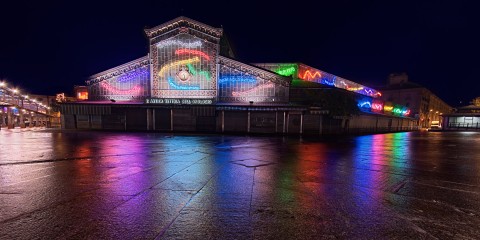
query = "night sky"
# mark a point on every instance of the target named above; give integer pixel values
(47, 47)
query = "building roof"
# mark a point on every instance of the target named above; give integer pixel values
(183, 22)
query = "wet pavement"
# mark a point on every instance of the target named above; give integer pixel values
(107, 185)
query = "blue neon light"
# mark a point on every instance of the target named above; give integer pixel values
(180, 87)
(326, 81)
(237, 78)
(131, 75)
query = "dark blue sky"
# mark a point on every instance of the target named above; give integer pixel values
(48, 47)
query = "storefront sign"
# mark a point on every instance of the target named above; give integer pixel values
(182, 101)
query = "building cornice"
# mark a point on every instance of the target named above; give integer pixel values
(116, 71)
(183, 22)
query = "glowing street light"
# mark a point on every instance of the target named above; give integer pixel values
(2, 84)
(15, 90)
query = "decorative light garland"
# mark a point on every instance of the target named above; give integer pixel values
(194, 52)
(265, 85)
(194, 72)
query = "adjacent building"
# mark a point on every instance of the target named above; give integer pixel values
(425, 106)
(190, 81)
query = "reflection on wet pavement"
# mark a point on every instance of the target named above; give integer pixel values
(103, 185)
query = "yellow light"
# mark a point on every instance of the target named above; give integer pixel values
(15, 90)
(177, 63)
(2, 84)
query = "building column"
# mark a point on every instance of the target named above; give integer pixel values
(248, 122)
(149, 119)
(10, 123)
(22, 119)
(223, 121)
(153, 119)
(301, 123)
(320, 127)
(171, 120)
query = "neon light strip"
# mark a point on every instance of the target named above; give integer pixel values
(365, 104)
(245, 79)
(194, 52)
(169, 42)
(110, 88)
(130, 75)
(310, 75)
(177, 63)
(332, 83)
(387, 108)
(180, 87)
(286, 71)
(266, 85)
(377, 106)
(192, 69)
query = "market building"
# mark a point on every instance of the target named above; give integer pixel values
(190, 81)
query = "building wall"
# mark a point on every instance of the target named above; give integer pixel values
(183, 66)
(425, 106)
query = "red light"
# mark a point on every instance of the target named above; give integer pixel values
(194, 52)
(307, 75)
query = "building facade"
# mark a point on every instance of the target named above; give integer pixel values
(189, 81)
(425, 106)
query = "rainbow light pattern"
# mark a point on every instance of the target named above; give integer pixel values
(133, 91)
(193, 52)
(310, 74)
(378, 106)
(252, 90)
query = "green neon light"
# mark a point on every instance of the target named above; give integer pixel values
(286, 70)
(191, 69)
(194, 72)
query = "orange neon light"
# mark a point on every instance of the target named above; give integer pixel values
(307, 75)
(194, 52)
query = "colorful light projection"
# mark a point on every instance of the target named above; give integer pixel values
(192, 52)
(185, 44)
(310, 74)
(175, 86)
(236, 78)
(176, 64)
(133, 91)
(375, 105)
(141, 72)
(253, 90)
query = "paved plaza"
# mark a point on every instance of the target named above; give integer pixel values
(108, 185)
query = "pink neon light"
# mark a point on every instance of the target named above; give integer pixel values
(377, 106)
(135, 90)
(194, 52)
(266, 85)
(307, 75)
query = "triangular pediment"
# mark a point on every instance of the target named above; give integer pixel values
(183, 22)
